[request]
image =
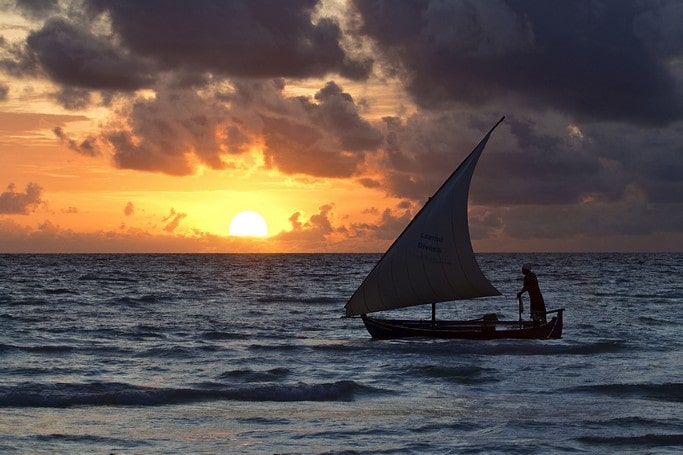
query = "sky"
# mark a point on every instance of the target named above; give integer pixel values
(129, 126)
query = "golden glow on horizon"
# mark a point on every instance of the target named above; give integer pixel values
(248, 224)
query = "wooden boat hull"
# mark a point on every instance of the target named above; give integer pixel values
(478, 329)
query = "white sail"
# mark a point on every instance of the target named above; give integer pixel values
(432, 260)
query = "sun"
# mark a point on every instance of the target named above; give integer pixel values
(248, 224)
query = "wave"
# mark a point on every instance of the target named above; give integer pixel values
(168, 352)
(61, 291)
(215, 335)
(646, 440)
(249, 375)
(61, 349)
(672, 391)
(633, 423)
(64, 395)
(28, 301)
(567, 348)
(89, 439)
(137, 300)
(461, 375)
(297, 299)
(44, 349)
(448, 348)
(107, 278)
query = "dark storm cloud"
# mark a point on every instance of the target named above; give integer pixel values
(608, 73)
(631, 215)
(613, 180)
(73, 56)
(20, 203)
(599, 60)
(249, 38)
(530, 165)
(338, 112)
(652, 159)
(543, 179)
(422, 151)
(253, 38)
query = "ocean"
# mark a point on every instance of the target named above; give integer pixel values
(242, 354)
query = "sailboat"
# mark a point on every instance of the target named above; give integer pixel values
(432, 261)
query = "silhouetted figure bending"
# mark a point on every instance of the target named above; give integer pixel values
(535, 297)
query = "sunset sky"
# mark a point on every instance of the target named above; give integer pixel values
(146, 126)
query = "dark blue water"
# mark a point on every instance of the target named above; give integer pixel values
(249, 354)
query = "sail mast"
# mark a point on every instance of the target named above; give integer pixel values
(432, 259)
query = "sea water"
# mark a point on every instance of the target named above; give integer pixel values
(249, 354)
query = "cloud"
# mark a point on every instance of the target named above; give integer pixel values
(129, 209)
(124, 45)
(16, 203)
(51, 238)
(539, 164)
(615, 60)
(631, 215)
(316, 228)
(73, 56)
(248, 38)
(87, 147)
(390, 224)
(73, 98)
(37, 9)
(160, 137)
(649, 159)
(173, 220)
(424, 149)
(323, 231)
(593, 93)
(485, 223)
(325, 138)
(598, 60)
(531, 159)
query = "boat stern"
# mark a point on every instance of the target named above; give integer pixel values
(556, 331)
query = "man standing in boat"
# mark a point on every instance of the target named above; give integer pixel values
(535, 297)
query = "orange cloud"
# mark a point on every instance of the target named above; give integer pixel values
(173, 220)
